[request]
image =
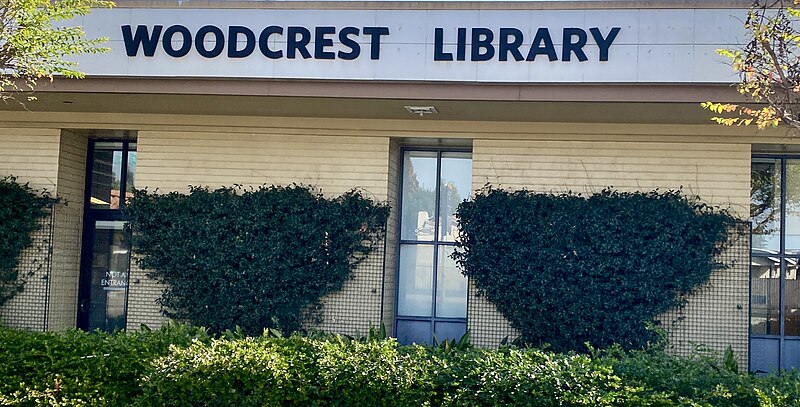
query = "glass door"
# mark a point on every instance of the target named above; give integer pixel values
(108, 276)
(105, 258)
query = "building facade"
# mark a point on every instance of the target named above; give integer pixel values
(548, 96)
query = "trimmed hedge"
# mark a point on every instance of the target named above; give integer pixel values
(567, 270)
(76, 368)
(182, 366)
(21, 209)
(253, 258)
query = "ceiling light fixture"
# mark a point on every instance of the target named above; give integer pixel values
(421, 110)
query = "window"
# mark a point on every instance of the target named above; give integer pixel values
(432, 292)
(775, 255)
(105, 259)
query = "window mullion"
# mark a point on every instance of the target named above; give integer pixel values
(436, 212)
(123, 176)
(782, 257)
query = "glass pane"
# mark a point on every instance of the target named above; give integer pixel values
(451, 286)
(419, 195)
(792, 209)
(409, 332)
(765, 295)
(106, 175)
(415, 290)
(791, 300)
(446, 331)
(456, 185)
(110, 268)
(791, 354)
(764, 354)
(130, 181)
(765, 199)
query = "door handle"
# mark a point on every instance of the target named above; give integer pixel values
(83, 306)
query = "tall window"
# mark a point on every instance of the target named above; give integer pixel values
(432, 292)
(105, 259)
(774, 288)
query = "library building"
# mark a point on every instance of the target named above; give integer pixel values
(548, 96)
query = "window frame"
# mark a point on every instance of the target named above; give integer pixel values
(781, 255)
(90, 217)
(436, 243)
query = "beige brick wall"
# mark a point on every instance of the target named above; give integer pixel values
(390, 272)
(142, 295)
(718, 172)
(716, 315)
(170, 161)
(67, 231)
(32, 156)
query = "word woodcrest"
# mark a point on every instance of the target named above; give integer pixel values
(292, 42)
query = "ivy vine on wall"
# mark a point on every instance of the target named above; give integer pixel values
(567, 270)
(21, 209)
(254, 258)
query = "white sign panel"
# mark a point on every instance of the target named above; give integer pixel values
(524, 46)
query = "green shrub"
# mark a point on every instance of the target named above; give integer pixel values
(182, 366)
(21, 209)
(292, 371)
(258, 258)
(704, 381)
(77, 368)
(334, 372)
(567, 270)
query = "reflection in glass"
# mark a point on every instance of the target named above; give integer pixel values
(765, 203)
(765, 275)
(451, 286)
(130, 179)
(456, 184)
(415, 289)
(447, 331)
(409, 332)
(109, 276)
(106, 175)
(419, 195)
(791, 299)
(792, 209)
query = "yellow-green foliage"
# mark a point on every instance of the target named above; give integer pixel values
(34, 45)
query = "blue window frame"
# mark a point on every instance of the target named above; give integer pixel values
(105, 256)
(775, 261)
(431, 291)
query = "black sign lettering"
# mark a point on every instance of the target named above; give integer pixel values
(320, 43)
(234, 32)
(166, 42)
(263, 42)
(542, 45)
(512, 47)
(604, 43)
(438, 45)
(200, 41)
(294, 44)
(141, 39)
(574, 47)
(375, 40)
(484, 43)
(482, 48)
(344, 38)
